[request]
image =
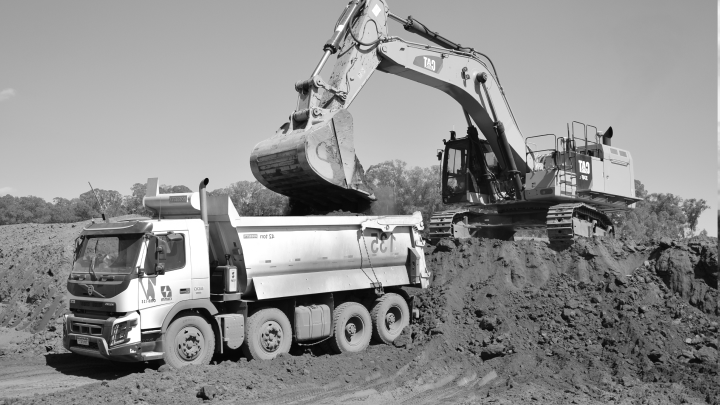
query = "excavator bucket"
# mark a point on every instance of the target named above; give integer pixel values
(314, 162)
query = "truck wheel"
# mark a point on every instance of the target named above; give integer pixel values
(353, 328)
(389, 316)
(267, 335)
(189, 340)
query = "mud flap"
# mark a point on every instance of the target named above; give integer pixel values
(414, 313)
(413, 266)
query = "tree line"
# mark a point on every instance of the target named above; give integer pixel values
(249, 197)
(400, 190)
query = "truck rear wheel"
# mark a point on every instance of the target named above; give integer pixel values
(390, 315)
(353, 328)
(189, 340)
(268, 334)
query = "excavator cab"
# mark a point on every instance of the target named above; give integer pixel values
(468, 168)
(455, 173)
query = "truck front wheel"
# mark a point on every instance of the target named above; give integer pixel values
(353, 328)
(267, 334)
(189, 340)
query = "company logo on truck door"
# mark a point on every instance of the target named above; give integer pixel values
(166, 293)
(148, 290)
(431, 63)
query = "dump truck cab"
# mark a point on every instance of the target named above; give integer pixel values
(126, 269)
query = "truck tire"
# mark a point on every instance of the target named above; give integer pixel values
(353, 328)
(390, 315)
(267, 334)
(189, 340)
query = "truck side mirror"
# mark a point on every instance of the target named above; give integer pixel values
(161, 251)
(155, 256)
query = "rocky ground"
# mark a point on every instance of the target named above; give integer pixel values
(504, 322)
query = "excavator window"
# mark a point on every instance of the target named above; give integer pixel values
(456, 169)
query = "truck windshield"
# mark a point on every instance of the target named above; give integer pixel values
(116, 254)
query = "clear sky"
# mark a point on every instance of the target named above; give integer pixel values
(116, 92)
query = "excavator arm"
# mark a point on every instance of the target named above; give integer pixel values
(311, 158)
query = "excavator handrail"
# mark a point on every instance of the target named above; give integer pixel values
(585, 137)
(529, 151)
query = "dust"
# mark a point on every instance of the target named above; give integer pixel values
(386, 203)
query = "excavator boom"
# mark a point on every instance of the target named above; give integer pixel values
(312, 159)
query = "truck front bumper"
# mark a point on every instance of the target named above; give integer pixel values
(131, 352)
(98, 345)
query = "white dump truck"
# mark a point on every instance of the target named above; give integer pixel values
(198, 279)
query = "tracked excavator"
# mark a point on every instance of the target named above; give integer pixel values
(494, 181)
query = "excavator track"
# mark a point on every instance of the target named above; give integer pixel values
(564, 221)
(441, 224)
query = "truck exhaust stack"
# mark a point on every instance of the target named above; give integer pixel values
(203, 206)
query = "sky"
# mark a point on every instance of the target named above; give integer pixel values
(116, 92)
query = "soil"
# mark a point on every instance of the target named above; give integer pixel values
(606, 321)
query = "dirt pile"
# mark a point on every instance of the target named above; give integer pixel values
(35, 261)
(600, 318)
(504, 322)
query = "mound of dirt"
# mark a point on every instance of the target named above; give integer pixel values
(606, 321)
(600, 318)
(35, 261)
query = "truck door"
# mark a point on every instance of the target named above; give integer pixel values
(159, 292)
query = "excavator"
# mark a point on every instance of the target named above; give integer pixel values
(494, 181)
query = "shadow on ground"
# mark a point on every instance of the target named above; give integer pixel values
(97, 369)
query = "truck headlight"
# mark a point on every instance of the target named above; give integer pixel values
(120, 332)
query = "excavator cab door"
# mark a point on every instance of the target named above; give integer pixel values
(455, 179)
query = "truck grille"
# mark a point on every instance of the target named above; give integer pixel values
(86, 328)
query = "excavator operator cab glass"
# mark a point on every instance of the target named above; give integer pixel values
(455, 173)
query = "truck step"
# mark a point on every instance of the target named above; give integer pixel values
(152, 356)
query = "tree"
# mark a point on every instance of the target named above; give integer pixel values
(253, 199)
(659, 215)
(404, 191)
(134, 202)
(111, 202)
(166, 189)
(62, 211)
(693, 209)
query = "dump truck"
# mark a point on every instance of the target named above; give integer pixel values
(494, 180)
(198, 279)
